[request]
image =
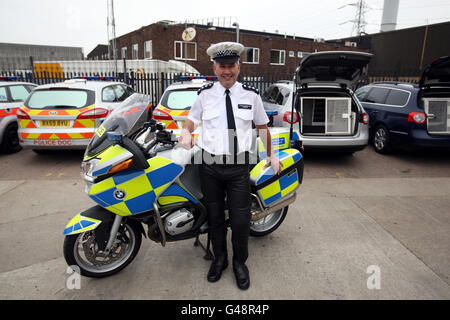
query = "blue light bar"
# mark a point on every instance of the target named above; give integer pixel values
(96, 78)
(9, 78)
(113, 136)
(271, 112)
(188, 78)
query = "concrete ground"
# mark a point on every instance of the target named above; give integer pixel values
(343, 238)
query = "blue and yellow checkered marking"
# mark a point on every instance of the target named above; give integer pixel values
(141, 187)
(175, 194)
(80, 224)
(281, 187)
(288, 157)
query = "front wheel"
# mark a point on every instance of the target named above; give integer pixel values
(82, 251)
(268, 224)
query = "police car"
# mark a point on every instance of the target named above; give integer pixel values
(176, 101)
(12, 95)
(66, 114)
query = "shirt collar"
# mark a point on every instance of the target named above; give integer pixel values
(232, 89)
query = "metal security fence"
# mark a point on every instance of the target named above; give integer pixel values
(152, 84)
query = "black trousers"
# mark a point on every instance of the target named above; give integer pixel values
(232, 180)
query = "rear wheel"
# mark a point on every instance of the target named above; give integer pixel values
(81, 250)
(10, 142)
(381, 140)
(268, 224)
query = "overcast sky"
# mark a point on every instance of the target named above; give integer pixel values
(83, 23)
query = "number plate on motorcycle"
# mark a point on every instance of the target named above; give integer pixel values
(55, 123)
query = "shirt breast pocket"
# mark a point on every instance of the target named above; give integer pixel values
(210, 118)
(244, 114)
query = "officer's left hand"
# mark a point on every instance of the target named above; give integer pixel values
(275, 163)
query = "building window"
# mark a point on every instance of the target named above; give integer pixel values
(124, 52)
(134, 52)
(277, 57)
(148, 50)
(250, 55)
(291, 54)
(301, 54)
(185, 50)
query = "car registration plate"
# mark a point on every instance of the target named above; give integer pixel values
(55, 123)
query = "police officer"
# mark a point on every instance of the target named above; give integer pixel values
(226, 110)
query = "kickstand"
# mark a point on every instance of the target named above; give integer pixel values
(208, 253)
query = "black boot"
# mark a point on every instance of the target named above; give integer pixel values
(242, 275)
(217, 266)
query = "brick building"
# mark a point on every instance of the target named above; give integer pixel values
(266, 53)
(100, 52)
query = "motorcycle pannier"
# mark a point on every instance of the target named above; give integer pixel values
(272, 188)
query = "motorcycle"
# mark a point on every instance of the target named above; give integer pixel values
(137, 175)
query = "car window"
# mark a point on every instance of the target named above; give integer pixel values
(275, 94)
(108, 94)
(361, 93)
(3, 96)
(18, 93)
(266, 94)
(40, 99)
(377, 95)
(130, 90)
(397, 97)
(121, 93)
(284, 93)
(179, 99)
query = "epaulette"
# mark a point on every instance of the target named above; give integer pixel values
(250, 88)
(206, 86)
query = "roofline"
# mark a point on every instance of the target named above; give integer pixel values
(391, 31)
(38, 45)
(202, 26)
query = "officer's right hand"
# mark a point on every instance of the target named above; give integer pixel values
(185, 139)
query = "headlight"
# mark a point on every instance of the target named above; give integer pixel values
(87, 167)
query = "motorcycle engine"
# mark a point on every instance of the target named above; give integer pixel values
(179, 221)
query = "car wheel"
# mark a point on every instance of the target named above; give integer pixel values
(11, 139)
(381, 140)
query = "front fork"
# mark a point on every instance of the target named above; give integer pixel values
(113, 234)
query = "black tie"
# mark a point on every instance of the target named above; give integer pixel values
(232, 138)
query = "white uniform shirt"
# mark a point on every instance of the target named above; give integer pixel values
(210, 110)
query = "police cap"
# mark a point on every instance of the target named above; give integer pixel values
(225, 52)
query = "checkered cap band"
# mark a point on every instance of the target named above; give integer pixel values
(225, 51)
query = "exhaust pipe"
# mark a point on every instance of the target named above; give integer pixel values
(259, 214)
